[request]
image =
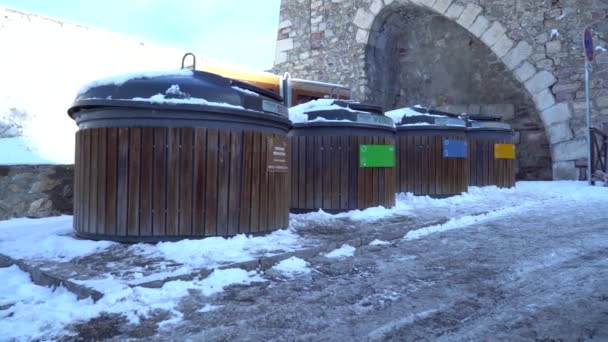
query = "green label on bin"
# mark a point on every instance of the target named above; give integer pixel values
(376, 155)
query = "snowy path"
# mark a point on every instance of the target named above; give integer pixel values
(524, 263)
(539, 272)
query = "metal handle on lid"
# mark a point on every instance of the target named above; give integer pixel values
(193, 61)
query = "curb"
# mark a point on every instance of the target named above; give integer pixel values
(48, 278)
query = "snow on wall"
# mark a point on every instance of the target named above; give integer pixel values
(45, 62)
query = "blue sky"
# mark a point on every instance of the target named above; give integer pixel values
(236, 31)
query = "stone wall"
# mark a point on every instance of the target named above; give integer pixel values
(528, 50)
(36, 190)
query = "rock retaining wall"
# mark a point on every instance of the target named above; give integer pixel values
(36, 190)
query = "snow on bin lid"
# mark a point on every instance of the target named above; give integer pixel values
(422, 116)
(487, 122)
(332, 110)
(179, 89)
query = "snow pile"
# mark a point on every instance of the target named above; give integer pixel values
(346, 251)
(398, 114)
(292, 267)
(49, 239)
(19, 151)
(297, 113)
(59, 59)
(215, 251)
(36, 312)
(373, 214)
(162, 99)
(377, 242)
(119, 80)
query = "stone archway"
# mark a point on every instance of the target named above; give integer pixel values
(481, 56)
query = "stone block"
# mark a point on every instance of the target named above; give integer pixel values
(285, 23)
(541, 81)
(570, 150)
(544, 100)
(602, 101)
(566, 87)
(479, 26)
(559, 132)
(491, 36)
(363, 19)
(474, 109)
(564, 171)
(284, 44)
(502, 46)
(558, 113)
(525, 72)
(454, 11)
(469, 15)
(442, 5)
(362, 36)
(553, 46)
(376, 6)
(505, 110)
(518, 54)
(280, 57)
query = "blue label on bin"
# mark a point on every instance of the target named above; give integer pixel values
(454, 149)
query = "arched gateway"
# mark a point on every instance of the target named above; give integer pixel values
(509, 58)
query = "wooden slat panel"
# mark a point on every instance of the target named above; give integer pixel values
(263, 214)
(234, 190)
(123, 181)
(223, 169)
(314, 172)
(173, 181)
(186, 182)
(294, 170)
(361, 203)
(159, 193)
(134, 179)
(300, 195)
(255, 182)
(246, 172)
(335, 172)
(353, 173)
(211, 181)
(86, 181)
(101, 179)
(344, 172)
(145, 192)
(200, 161)
(93, 213)
(326, 172)
(77, 189)
(112, 182)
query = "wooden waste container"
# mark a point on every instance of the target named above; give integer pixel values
(491, 151)
(432, 157)
(187, 154)
(342, 157)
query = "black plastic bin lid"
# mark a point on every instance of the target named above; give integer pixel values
(353, 111)
(488, 122)
(182, 89)
(432, 117)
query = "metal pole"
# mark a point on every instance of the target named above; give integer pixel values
(589, 151)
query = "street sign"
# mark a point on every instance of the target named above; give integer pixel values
(588, 41)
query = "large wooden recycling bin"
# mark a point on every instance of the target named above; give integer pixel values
(492, 152)
(184, 155)
(342, 159)
(432, 153)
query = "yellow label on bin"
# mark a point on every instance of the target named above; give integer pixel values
(504, 151)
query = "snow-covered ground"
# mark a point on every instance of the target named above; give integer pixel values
(52, 239)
